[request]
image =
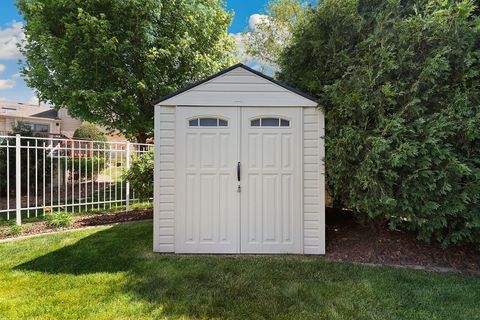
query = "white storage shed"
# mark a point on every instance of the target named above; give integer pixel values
(239, 168)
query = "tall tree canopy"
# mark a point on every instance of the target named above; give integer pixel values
(272, 33)
(399, 82)
(107, 60)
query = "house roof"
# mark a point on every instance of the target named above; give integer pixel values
(48, 114)
(22, 110)
(239, 65)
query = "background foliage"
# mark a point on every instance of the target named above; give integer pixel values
(107, 61)
(89, 131)
(140, 175)
(272, 33)
(399, 82)
(8, 184)
(84, 167)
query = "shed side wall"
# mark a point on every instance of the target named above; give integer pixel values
(164, 180)
(313, 182)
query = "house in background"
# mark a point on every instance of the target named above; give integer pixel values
(42, 120)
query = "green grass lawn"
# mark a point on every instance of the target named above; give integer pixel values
(111, 272)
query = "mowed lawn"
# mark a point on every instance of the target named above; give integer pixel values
(111, 273)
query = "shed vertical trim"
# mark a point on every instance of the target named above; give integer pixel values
(156, 183)
(302, 176)
(322, 182)
(313, 182)
(164, 180)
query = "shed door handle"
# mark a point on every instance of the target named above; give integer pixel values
(238, 171)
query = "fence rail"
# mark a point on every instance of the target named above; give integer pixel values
(40, 175)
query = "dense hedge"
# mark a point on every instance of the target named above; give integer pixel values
(399, 81)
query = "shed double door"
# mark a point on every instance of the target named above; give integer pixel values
(238, 179)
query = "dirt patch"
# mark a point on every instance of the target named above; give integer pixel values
(346, 240)
(82, 221)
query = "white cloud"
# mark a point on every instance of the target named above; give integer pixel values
(241, 51)
(256, 19)
(2, 68)
(33, 100)
(16, 75)
(6, 84)
(3, 98)
(9, 38)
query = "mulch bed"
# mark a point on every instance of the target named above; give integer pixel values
(97, 220)
(85, 221)
(346, 240)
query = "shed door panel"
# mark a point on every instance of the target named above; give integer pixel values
(207, 202)
(212, 217)
(271, 209)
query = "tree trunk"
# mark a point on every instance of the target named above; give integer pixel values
(141, 137)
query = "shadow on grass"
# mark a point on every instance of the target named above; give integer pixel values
(116, 249)
(193, 286)
(250, 287)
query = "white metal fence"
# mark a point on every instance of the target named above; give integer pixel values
(40, 175)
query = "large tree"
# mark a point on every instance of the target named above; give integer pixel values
(107, 60)
(266, 40)
(399, 81)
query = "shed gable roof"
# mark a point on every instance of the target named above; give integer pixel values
(238, 85)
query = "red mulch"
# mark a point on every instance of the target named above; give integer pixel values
(346, 240)
(86, 221)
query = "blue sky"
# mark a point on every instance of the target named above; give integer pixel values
(12, 86)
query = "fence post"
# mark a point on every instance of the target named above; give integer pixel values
(127, 194)
(18, 180)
